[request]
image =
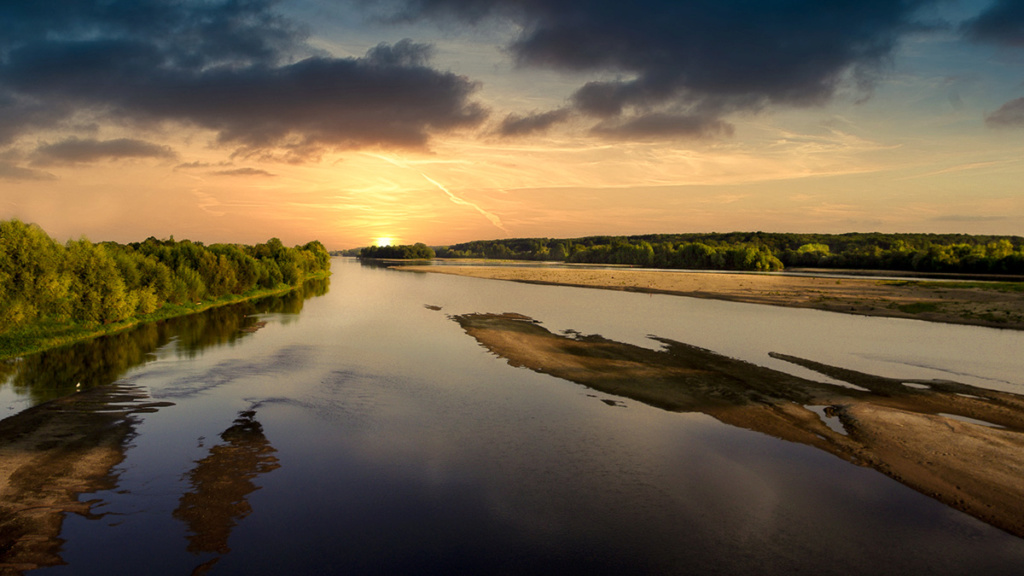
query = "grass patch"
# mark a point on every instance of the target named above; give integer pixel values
(978, 285)
(997, 286)
(991, 317)
(918, 307)
(49, 333)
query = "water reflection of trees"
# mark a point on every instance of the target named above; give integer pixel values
(389, 263)
(55, 373)
(219, 486)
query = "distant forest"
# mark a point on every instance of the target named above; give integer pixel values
(418, 251)
(953, 253)
(82, 282)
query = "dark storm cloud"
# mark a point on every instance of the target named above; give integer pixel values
(402, 53)
(1009, 115)
(1002, 23)
(232, 66)
(76, 150)
(519, 125)
(190, 33)
(707, 57)
(334, 101)
(19, 113)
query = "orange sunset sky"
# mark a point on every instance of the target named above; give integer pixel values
(443, 121)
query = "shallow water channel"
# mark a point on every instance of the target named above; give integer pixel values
(361, 430)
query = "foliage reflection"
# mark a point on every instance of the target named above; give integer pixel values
(56, 373)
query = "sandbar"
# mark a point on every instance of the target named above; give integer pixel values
(915, 434)
(950, 302)
(50, 455)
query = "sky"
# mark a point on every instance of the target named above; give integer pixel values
(361, 122)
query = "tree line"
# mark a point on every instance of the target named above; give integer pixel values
(54, 373)
(953, 253)
(96, 283)
(418, 251)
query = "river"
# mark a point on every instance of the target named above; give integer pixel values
(362, 431)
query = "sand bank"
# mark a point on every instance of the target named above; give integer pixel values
(52, 453)
(911, 431)
(933, 301)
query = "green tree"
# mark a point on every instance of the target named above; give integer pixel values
(321, 257)
(98, 293)
(188, 285)
(558, 252)
(31, 280)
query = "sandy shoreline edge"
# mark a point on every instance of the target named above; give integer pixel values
(934, 302)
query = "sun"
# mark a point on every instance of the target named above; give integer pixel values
(385, 241)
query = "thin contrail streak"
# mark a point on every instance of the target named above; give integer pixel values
(493, 218)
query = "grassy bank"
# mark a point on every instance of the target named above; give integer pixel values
(47, 334)
(978, 285)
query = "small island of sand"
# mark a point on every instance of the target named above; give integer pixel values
(912, 431)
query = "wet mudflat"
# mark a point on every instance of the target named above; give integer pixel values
(403, 423)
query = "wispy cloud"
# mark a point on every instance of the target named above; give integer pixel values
(1001, 24)
(243, 172)
(10, 171)
(85, 150)
(957, 169)
(1009, 115)
(967, 218)
(207, 203)
(520, 125)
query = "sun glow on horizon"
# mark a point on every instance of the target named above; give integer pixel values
(383, 241)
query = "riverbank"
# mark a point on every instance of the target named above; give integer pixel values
(46, 335)
(994, 304)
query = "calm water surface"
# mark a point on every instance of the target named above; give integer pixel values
(372, 435)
